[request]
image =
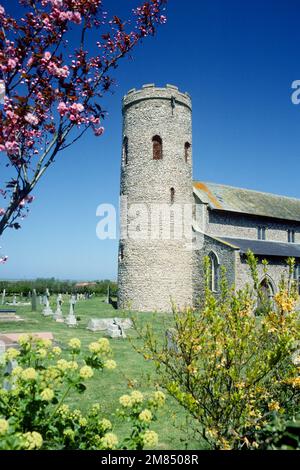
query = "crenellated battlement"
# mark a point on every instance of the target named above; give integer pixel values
(150, 92)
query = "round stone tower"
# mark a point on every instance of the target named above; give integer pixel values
(155, 256)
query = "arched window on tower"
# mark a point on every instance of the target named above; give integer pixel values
(214, 272)
(125, 151)
(157, 147)
(172, 195)
(187, 151)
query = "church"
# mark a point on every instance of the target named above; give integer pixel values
(205, 219)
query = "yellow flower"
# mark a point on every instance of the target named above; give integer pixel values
(86, 372)
(95, 347)
(145, 416)
(29, 374)
(42, 353)
(47, 394)
(126, 401)
(83, 422)
(159, 398)
(150, 438)
(56, 350)
(62, 365)
(11, 354)
(105, 424)
(104, 345)
(33, 440)
(17, 371)
(274, 406)
(3, 426)
(64, 411)
(137, 397)
(109, 441)
(69, 433)
(46, 343)
(110, 364)
(74, 343)
(23, 340)
(73, 365)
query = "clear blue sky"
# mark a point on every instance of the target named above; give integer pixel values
(237, 59)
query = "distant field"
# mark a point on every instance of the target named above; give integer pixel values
(133, 370)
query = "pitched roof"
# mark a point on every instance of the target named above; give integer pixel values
(229, 198)
(265, 248)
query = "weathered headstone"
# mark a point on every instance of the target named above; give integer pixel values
(171, 340)
(14, 300)
(102, 324)
(3, 297)
(58, 316)
(47, 312)
(108, 295)
(33, 301)
(2, 351)
(71, 319)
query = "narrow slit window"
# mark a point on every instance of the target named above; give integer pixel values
(187, 151)
(121, 253)
(157, 147)
(172, 195)
(291, 236)
(125, 151)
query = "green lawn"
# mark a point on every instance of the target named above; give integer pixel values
(106, 387)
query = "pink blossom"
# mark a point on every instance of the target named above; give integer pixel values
(98, 131)
(13, 117)
(47, 55)
(12, 63)
(3, 259)
(2, 11)
(62, 108)
(2, 211)
(32, 119)
(2, 148)
(77, 107)
(11, 147)
(76, 18)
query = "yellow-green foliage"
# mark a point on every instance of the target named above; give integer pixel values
(231, 370)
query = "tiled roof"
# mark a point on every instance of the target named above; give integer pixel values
(229, 198)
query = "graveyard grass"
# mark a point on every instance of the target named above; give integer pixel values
(133, 371)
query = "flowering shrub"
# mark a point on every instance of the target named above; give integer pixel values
(33, 412)
(231, 370)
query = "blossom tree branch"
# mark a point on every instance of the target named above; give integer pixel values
(53, 90)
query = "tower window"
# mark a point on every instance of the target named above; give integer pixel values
(157, 147)
(121, 252)
(172, 195)
(125, 151)
(187, 150)
(261, 233)
(291, 236)
(214, 272)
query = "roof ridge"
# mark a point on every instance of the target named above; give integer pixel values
(246, 189)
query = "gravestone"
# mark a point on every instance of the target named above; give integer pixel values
(33, 301)
(171, 340)
(8, 317)
(71, 319)
(115, 330)
(102, 324)
(41, 300)
(3, 297)
(2, 351)
(58, 316)
(47, 312)
(108, 295)
(14, 300)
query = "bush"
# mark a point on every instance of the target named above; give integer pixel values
(33, 412)
(232, 371)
